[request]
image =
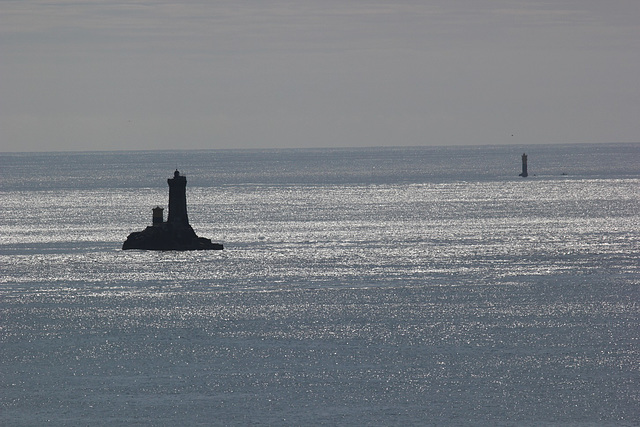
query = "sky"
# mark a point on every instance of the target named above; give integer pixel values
(195, 74)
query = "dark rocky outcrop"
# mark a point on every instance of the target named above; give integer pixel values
(175, 234)
(167, 237)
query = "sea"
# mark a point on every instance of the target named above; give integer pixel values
(410, 286)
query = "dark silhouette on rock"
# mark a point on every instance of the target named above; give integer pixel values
(524, 173)
(176, 234)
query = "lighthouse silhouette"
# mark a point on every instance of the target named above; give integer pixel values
(524, 173)
(178, 199)
(176, 234)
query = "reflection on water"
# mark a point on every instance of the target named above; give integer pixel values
(448, 302)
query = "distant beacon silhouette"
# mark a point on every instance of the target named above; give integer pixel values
(176, 234)
(524, 173)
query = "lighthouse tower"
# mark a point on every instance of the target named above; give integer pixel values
(178, 200)
(524, 173)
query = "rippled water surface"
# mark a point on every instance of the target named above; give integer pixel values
(410, 286)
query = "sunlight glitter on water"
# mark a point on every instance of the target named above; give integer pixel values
(374, 295)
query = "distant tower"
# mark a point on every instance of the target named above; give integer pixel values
(524, 173)
(158, 215)
(177, 200)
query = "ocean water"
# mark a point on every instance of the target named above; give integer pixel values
(378, 286)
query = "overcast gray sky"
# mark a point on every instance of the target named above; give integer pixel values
(105, 75)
